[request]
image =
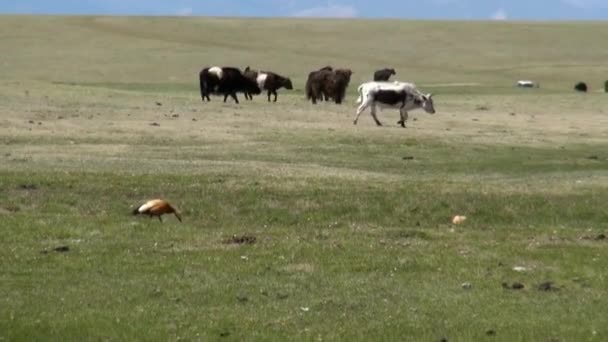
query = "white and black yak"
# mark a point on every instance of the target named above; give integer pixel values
(267, 80)
(225, 81)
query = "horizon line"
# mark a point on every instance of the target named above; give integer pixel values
(355, 18)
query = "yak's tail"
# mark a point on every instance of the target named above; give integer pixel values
(360, 90)
(308, 89)
(203, 84)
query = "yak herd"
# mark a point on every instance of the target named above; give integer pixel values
(325, 84)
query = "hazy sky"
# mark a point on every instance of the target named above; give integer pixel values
(408, 9)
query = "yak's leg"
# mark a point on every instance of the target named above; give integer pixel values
(269, 93)
(233, 95)
(225, 97)
(160, 218)
(275, 95)
(404, 116)
(315, 92)
(360, 110)
(374, 115)
(401, 119)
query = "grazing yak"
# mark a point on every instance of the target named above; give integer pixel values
(225, 81)
(327, 83)
(267, 80)
(404, 96)
(384, 74)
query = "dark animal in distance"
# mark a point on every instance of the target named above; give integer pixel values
(328, 68)
(267, 80)
(581, 86)
(225, 81)
(156, 207)
(336, 89)
(384, 74)
(311, 76)
(327, 84)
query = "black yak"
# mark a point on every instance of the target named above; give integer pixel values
(384, 74)
(326, 84)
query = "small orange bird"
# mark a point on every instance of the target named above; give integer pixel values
(156, 207)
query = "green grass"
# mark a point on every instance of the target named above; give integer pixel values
(352, 223)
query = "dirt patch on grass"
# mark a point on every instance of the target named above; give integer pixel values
(240, 240)
(27, 186)
(9, 209)
(59, 249)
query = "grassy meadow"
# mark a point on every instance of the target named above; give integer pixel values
(353, 239)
